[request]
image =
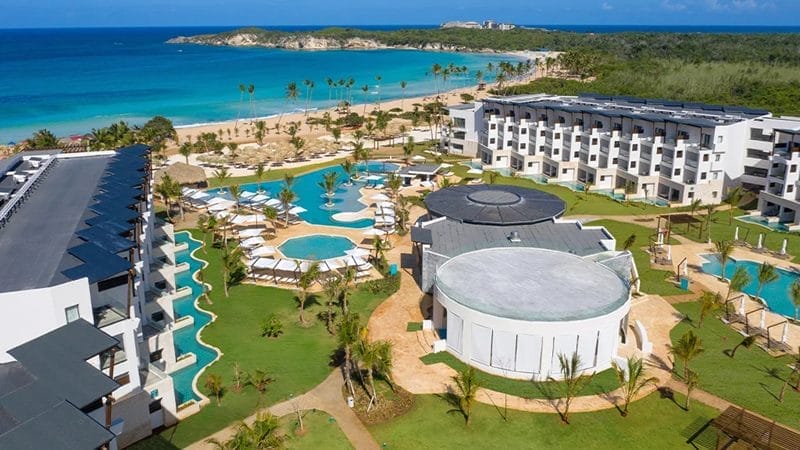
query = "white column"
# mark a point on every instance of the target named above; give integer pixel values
(669, 253)
(762, 322)
(736, 234)
(741, 305)
(783, 248)
(760, 238)
(785, 334)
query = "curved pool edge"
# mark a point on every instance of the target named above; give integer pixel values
(203, 399)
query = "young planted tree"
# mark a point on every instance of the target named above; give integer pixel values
(332, 288)
(206, 223)
(692, 380)
(186, 150)
(408, 149)
(738, 281)
(304, 284)
(236, 193)
(374, 357)
(766, 274)
(231, 267)
(166, 190)
(632, 380)
(259, 173)
(214, 386)
(262, 434)
(629, 241)
(347, 335)
(329, 183)
(259, 380)
(688, 347)
(747, 342)
(694, 206)
(733, 199)
(348, 168)
(572, 382)
(286, 196)
(465, 392)
(709, 302)
(724, 252)
(222, 175)
(794, 296)
(270, 218)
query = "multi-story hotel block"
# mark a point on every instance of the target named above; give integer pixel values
(636, 148)
(79, 240)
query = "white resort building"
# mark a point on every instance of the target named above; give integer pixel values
(79, 241)
(514, 286)
(653, 150)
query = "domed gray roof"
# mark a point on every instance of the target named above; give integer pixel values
(494, 204)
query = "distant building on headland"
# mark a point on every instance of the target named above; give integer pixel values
(486, 25)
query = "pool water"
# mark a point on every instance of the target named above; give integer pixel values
(312, 197)
(776, 294)
(575, 186)
(186, 338)
(316, 247)
(774, 226)
(378, 167)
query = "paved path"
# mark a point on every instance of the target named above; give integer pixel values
(326, 396)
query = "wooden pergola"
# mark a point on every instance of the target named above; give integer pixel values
(736, 425)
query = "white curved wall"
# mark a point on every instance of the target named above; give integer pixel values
(526, 349)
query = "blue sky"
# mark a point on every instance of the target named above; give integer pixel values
(76, 13)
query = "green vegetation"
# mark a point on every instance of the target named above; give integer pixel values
(272, 174)
(655, 423)
(753, 379)
(297, 360)
(319, 431)
(602, 382)
(653, 281)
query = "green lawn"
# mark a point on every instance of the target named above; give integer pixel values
(653, 423)
(652, 281)
(747, 379)
(273, 174)
(321, 431)
(722, 230)
(578, 203)
(602, 382)
(298, 360)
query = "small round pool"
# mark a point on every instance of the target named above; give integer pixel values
(316, 247)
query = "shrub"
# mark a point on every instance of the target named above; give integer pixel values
(386, 286)
(272, 326)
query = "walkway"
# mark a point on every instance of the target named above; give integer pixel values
(326, 396)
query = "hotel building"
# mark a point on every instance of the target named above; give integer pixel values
(653, 150)
(79, 240)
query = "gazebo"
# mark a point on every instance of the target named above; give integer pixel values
(185, 174)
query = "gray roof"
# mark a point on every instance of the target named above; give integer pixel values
(532, 284)
(494, 204)
(420, 169)
(42, 393)
(452, 237)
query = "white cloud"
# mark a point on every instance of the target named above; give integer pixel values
(671, 5)
(606, 6)
(734, 4)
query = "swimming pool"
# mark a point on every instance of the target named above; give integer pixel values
(316, 247)
(775, 294)
(312, 197)
(576, 186)
(758, 220)
(186, 338)
(378, 167)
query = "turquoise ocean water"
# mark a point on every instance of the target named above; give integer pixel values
(73, 80)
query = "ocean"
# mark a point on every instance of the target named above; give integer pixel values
(72, 80)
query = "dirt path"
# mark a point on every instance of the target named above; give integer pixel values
(326, 396)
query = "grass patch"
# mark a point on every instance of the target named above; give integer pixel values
(273, 174)
(414, 326)
(320, 431)
(752, 379)
(605, 381)
(298, 360)
(722, 230)
(653, 281)
(653, 423)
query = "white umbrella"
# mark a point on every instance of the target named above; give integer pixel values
(273, 202)
(265, 250)
(247, 194)
(216, 200)
(380, 197)
(418, 158)
(260, 198)
(253, 242)
(373, 178)
(374, 232)
(475, 171)
(297, 210)
(250, 232)
(218, 207)
(386, 205)
(264, 263)
(358, 251)
(385, 212)
(445, 165)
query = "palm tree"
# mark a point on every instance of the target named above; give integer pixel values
(707, 219)
(629, 241)
(794, 296)
(214, 385)
(309, 84)
(348, 168)
(329, 81)
(263, 434)
(259, 380)
(329, 183)
(436, 69)
(235, 191)
(206, 224)
(692, 380)
(260, 172)
(380, 247)
(632, 379)
(378, 79)
(231, 262)
(572, 381)
(688, 347)
(403, 86)
(242, 90)
(709, 302)
(394, 183)
(747, 342)
(365, 91)
(738, 281)
(694, 206)
(287, 196)
(304, 283)
(166, 191)
(332, 287)
(186, 150)
(374, 355)
(408, 149)
(766, 275)
(222, 175)
(465, 392)
(724, 251)
(288, 180)
(251, 93)
(270, 217)
(291, 96)
(347, 336)
(733, 199)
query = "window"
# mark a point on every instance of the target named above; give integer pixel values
(493, 126)
(576, 155)
(790, 188)
(715, 194)
(564, 171)
(602, 178)
(614, 161)
(123, 379)
(112, 282)
(530, 163)
(633, 164)
(541, 148)
(157, 316)
(156, 355)
(677, 172)
(155, 405)
(543, 133)
(592, 157)
(690, 195)
(555, 151)
(717, 158)
(719, 139)
(72, 313)
(793, 168)
(705, 158)
(509, 143)
(492, 141)
(703, 175)
(715, 175)
(679, 154)
(557, 136)
(577, 138)
(657, 168)
(634, 147)
(594, 141)
(523, 131)
(523, 145)
(616, 144)
(659, 150)
(499, 158)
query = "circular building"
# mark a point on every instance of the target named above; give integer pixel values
(492, 204)
(513, 311)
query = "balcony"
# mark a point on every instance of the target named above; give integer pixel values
(108, 315)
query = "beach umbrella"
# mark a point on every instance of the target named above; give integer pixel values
(380, 197)
(253, 242)
(374, 232)
(445, 165)
(297, 210)
(264, 263)
(250, 232)
(265, 250)
(247, 195)
(475, 172)
(373, 178)
(418, 158)
(358, 251)
(260, 198)
(273, 202)
(218, 207)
